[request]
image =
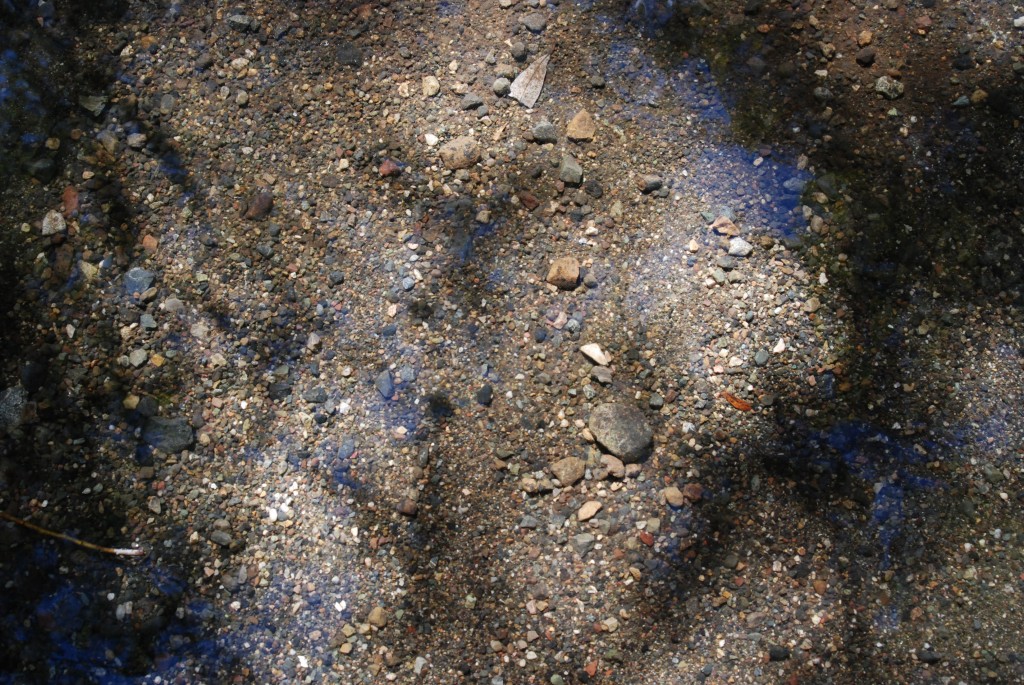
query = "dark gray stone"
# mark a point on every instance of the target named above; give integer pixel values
(168, 435)
(622, 430)
(385, 384)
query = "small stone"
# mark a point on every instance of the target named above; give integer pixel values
(761, 357)
(221, 537)
(602, 375)
(648, 183)
(569, 470)
(889, 87)
(594, 352)
(622, 430)
(564, 273)
(138, 357)
(430, 139)
(866, 56)
(431, 86)
(864, 38)
(928, 656)
(616, 469)
(588, 510)
(723, 225)
(136, 141)
(461, 153)
(378, 617)
(485, 395)
(471, 101)
(53, 223)
(583, 543)
(348, 54)
(535, 22)
(777, 653)
(569, 171)
(673, 496)
(545, 132)
(738, 247)
(138, 280)
(407, 507)
(582, 127)
(168, 435)
(389, 167)
(385, 384)
(501, 86)
(259, 206)
(315, 395)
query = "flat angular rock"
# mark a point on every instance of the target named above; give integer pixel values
(564, 273)
(582, 127)
(53, 223)
(385, 384)
(461, 153)
(594, 352)
(622, 430)
(569, 470)
(168, 435)
(569, 171)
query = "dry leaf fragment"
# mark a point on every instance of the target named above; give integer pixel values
(527, 86)
(740, 404)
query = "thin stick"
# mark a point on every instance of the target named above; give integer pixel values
(121, 552)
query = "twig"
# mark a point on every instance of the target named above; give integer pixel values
(121, 552)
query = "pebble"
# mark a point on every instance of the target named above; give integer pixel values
(569, 171)
(564, 273)
(138, 357)
(168, 435)
(221, 537)
(673, 496)
(738, 247)
(569, 470)
(485, 395)
(471, 101)
(535, 21)
(866, 56)
(53, 223)
(588, 510)
(594, 352)
(583, 543)
(259, 206)
(602, 375)
(138, 280)
(648, 183)
(460, 153)
(385, 384)
(581, 127)
(544, 132)
(616, 469)
(501, 86)
(621, 429)
(431, 86)
(378, 617)
(761, 357)
(889, 87)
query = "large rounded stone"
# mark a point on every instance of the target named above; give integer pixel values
(460, 153)
(622, 430)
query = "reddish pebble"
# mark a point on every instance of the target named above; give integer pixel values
(389, 168)
(647, 538)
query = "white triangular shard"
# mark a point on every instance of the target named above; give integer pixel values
(596, 354)
(527, 86)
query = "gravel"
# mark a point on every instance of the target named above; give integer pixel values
(310, 335)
